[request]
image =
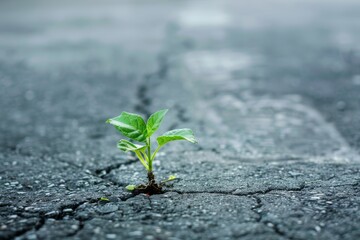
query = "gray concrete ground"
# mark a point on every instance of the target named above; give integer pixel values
(271, 89)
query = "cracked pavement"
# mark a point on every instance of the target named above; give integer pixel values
(271, 91)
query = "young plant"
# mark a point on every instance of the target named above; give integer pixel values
(134, 127)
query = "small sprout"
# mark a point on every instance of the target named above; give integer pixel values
(131, 187)
(104, 199)
(171, 178)
(134, 127)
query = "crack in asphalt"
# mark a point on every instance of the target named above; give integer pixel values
(142, 91)
(150, 203)
(260, 192)
(58, 214)
(81, 226)
(277, 230)
(257, 209)
(233, 192)
(102, 172)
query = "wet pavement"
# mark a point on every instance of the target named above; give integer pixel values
(271, 90)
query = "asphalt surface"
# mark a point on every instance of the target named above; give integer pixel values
(271, 90)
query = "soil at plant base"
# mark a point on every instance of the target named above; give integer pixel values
(151, 187)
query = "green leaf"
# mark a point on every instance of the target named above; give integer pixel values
(171, 177)
(177, 134)
(154, 121)
(130, 125)
(104, 199)
(126, 146)
(131, 187)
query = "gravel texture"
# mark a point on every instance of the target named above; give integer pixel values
(271, 91)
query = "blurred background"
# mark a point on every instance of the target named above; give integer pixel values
(261, 79)
(270, 88)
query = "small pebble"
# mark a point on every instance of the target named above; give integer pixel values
(75, 227)
(32, 237)
(52, 214)
(270, 225)
(136, 233)
(108, 208)
(340, 105)
(67, 210)
(110, 236)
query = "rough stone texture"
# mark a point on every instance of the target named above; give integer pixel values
(271, 90)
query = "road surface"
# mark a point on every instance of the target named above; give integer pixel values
(271, 90)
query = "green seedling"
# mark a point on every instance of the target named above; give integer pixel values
(134, 127)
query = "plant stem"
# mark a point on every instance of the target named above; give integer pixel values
(155, 152)
(142, 160)
(151, 178)
(149, 153)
